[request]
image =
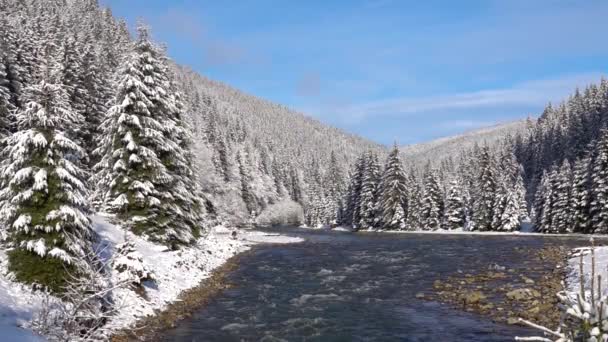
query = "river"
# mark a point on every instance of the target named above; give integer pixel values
(356, 287)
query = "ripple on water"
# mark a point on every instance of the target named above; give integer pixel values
(305, 298)
(324, 271)
(360, 289)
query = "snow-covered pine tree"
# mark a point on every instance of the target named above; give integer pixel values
(369, 193)
(246, 192)
(43, 200)
(432, 202)
(512, 172)
(6, 107)
(599, 205)
(561, 219)
(511, 213)
(352, 213)
(454, 207)
(71, 79)
(483, 205)
(414, 213)
(581, 195)
(143, 160)
(334, 183)
(393, 193)
(550, 194)
(295, 186)
(98, 95)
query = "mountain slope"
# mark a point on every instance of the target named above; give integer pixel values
(442, 148)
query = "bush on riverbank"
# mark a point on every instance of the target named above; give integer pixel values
(286, 212)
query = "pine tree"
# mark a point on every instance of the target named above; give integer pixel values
(413, 199)
(246, 191)
(353, 198)
(95, 104)
(369, 193)
(432, 202)
(141, 152)
(393, 193)
(43, 200)
(581, 196)
(6, 107)
(561, 219)
(334, 183)
(71, 78)
(454, 207)
(599, 205)
(549, 193)
(483, 210)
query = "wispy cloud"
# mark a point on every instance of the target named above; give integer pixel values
(531, 93)
(215, 51)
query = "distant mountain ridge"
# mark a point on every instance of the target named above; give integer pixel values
(438, 150)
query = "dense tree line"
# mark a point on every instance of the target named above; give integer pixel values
(485, 192)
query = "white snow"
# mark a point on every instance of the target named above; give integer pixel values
(601, 268)
(174, 272)
(17, 305)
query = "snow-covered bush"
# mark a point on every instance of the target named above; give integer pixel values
(129, 265)
(584, 314)
(284, 212)
(81, 312)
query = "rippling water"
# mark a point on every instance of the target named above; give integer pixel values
(345, 287)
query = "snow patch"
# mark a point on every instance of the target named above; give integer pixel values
(174, 272)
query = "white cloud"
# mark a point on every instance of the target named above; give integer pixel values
(530, 93)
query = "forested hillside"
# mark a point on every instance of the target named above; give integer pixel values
(444, 148)
(552, 170)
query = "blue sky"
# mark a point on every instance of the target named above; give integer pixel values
(389, 70)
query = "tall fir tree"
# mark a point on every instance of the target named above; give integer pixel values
(581, 196)
(483, 210)
(43, 201)
(599, 205)
(369, 193)
(141, 151)
(454, 207)
(432, 202)
(393, 193)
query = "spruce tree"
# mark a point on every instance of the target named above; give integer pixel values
(143, 160)
(599, 205)
(414, 211)
(6, 107)
(246, 191)
(369, 193)
(432, 202)
(561, 219)
(43, 202)
(484, 203)
(393, 193)
(454, 207)
(353, 197)
(581, 196)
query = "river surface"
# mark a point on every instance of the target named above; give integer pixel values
(356, 287)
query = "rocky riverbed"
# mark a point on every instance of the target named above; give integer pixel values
(526, 291)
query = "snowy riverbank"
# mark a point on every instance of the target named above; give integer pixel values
(175, 272)
(601, 268)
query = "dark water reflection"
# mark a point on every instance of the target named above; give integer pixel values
(344, 287)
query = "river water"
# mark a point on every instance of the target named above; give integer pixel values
(356, 287)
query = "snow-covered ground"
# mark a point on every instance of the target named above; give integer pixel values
(601, 268)
(175, 271)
